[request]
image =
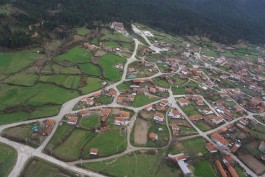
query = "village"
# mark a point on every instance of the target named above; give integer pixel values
(200, 110)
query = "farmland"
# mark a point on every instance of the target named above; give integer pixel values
(7, 159)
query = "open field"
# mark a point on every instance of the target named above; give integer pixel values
(92, 84)
(7, 159)
(101, 141)
(70, 149)
(140, 131)
(75, 55)
(22, 78)
(14, 62)
(141, 100)
(90, 69)
(254, 164)
(41, 168)
(161, 82)
(61, 134)
(140, 165)
(82, 31)
(108, 62)
(90, 121)
(203, 168)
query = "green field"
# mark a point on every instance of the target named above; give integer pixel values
(111, 44)
(89, 121)
(75, 55)
(161, 82)
(40, 168)
(14, 117)
(123, 86)
(203, 168)
(62, 80)
(16, 61)
(163, 136)
(140, 165)
(178, 90)
(92, 84)
(141, 100)
(22, 78)
(62, 132)
(90, 69)
(104, 99)
(82, 31)
(108, 62)
(210, 53)
(101, 141)
(70, 149)
(7, 159)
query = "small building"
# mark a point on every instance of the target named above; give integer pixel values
(50, 123)
(183, 102)
(159, 117)
(93, 151)
(184, 168)
(121, 121)
(221, 141)
(153, 136)
(175, 129)
(106, 112)
(163, 103)
(211, 148)
(88, 101)
(174, 113)
(83, 113)
(125, 114)
(220, 168)
(217, 120)
(72, 120)
(149, 107)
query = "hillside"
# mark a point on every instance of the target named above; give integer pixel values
(224, 21)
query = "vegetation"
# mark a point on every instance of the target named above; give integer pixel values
(41, 168)
(7, 159)
(75, 55)
(141, 100)
(203, 168)
(89, 121)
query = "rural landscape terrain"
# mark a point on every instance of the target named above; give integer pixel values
(108, 100)
(110, 103)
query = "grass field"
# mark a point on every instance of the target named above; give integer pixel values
(62, 132)
(111, 44)
(75, 55)
(70, 149)
(178, 90)
(90, 69)
(82, 31)
(92, 84)
(7, 159)
(22, 78)
(123, 86)
(161, 82)
(62, 80)
(101, 141)
(203, 168)
(14, 117)
(104, 99)
(89, 121)
(140, 165)
(210, 53)
(16, 61)
(108, 62)
(141, 100)
(45, 110)
(41, 168)
(163, 136)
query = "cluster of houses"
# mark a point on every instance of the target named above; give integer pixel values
(148, 67)
(45, 127)
(118, 26)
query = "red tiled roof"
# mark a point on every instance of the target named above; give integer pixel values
(106, 112)
(232, 171)
(219, 138)
(210, 147)
(152, 136)
(50, 122)
(83, 112)
(220, 168)
(160, 115)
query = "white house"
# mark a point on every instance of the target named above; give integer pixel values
(173, 113)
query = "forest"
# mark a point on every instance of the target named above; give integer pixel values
(225, 21)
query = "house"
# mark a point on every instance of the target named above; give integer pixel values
(148, 107)
(229, 159)
(83, 113)
(163, 103)
(207, 111)
(153, 136)
(184, 102)
(121, 99)
(88, 101)
(235, 147)
(175, 129)
(183, 167)
(97, 95)
(196, 117)
(125, 114)
(87, 45)
(238, 108)
(231, 170)
(220, 168)
(131, 70)
(262, 146)
(177, 157)
(152, 90)
(93, 151)
(211, 148)
(106, 112)
(72, 120)
(50, 123)
(217, 120)
(159, 117)
(121, 121)
(221, 141)
(112, 92)
(174, 113)
(200, 102)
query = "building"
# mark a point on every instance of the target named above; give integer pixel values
(93, 151)
(220, 168)
(175, 129)
(174, 113)
(88, 101)
(262, 146)
(153, 136)
(211, 148)
(217, 120)
(159, 117)
(184, 168)
(83, 113)
(72, 120)
(221, 141)
(121, 121)
(184, 102)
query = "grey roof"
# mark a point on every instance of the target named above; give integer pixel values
(185, 170)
